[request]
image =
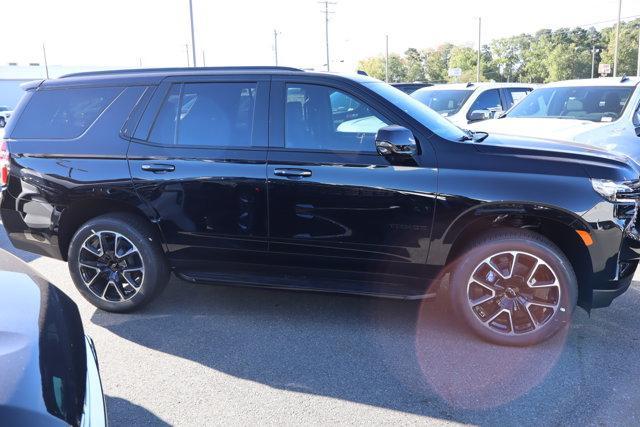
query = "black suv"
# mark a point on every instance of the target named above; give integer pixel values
(281, 178)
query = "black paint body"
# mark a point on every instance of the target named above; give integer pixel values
(360, 223)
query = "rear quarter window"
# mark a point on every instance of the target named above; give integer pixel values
(63, 113)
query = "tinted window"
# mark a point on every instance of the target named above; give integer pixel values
(207, 114)
(164, 129)
(63, 113)
(323, 118)
(516, 95)
(598, 104)
(445, 102)
(488, 100)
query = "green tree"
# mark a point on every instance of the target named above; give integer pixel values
(415, 65)
(374, 66)
(628, 48)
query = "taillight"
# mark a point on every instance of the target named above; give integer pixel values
(4, 163)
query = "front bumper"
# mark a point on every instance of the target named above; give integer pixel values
(95, 410)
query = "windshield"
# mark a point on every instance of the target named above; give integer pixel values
(446, 102)
(425, 115)
(593, 103)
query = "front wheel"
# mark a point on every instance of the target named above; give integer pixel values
(514, 288)
(117, 263)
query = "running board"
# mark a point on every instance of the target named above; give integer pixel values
(288, 282)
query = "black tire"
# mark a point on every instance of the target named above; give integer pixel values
(518, 326)
(137, 232)
(3, 122)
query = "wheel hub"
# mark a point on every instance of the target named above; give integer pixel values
(513, 292)
(111, 266)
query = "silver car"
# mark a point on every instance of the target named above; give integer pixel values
(602, 112)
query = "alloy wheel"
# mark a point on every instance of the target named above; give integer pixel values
(513, 292)
(111, 266)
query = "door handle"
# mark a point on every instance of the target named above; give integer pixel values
(158, 168)
(293, 173)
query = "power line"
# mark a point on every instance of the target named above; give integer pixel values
(327, 12)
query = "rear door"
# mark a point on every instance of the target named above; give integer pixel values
(198, 159)
(336, 207)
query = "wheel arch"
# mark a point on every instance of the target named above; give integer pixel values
(557, 225)
(81, 211)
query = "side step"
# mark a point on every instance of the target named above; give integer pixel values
(305, 283)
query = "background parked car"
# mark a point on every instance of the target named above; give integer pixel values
(410, 87)
(48, 367)
(5, 113)
(603, 112)
(467, 103)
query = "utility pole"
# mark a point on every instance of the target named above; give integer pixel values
(615, 52)
(46, 65)
(593, 60)
(204, 61)
(186, 49)
(193, 37)
(139, 62)
(326, 28)
(386, 61)
(638, 67)
(479, 48)
(275, 44)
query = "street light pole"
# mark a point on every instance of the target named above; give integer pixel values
(593, 60)
(615, 52)
(386, 61)
(193, 37)
(275, 45)
(46, 65)
(479, 48)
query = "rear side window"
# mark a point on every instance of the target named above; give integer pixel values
(63, 113)
(207, 114)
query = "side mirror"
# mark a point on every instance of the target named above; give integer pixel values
(395, 140)
(478, 115)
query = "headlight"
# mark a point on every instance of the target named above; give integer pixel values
(610, 190)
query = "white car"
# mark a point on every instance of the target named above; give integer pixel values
(468, 103)
(604, 112)
(5, 113)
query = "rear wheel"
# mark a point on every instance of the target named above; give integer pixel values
(514, 288)
(116, 262)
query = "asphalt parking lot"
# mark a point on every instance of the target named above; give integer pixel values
(203, 355)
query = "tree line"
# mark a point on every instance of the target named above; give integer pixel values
(542, 57)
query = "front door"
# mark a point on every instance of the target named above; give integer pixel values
(201, 170)
(335, 205)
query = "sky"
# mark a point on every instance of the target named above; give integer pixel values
(153, 33)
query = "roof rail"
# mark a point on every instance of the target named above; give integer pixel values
(177, 69)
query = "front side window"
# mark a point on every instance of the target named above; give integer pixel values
(488, 100)
(63, 113)
(323, 118)
(597, 104)
(207, 114)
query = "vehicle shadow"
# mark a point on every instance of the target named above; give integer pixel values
(121, 412)
(5, 244)
(410, 357)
